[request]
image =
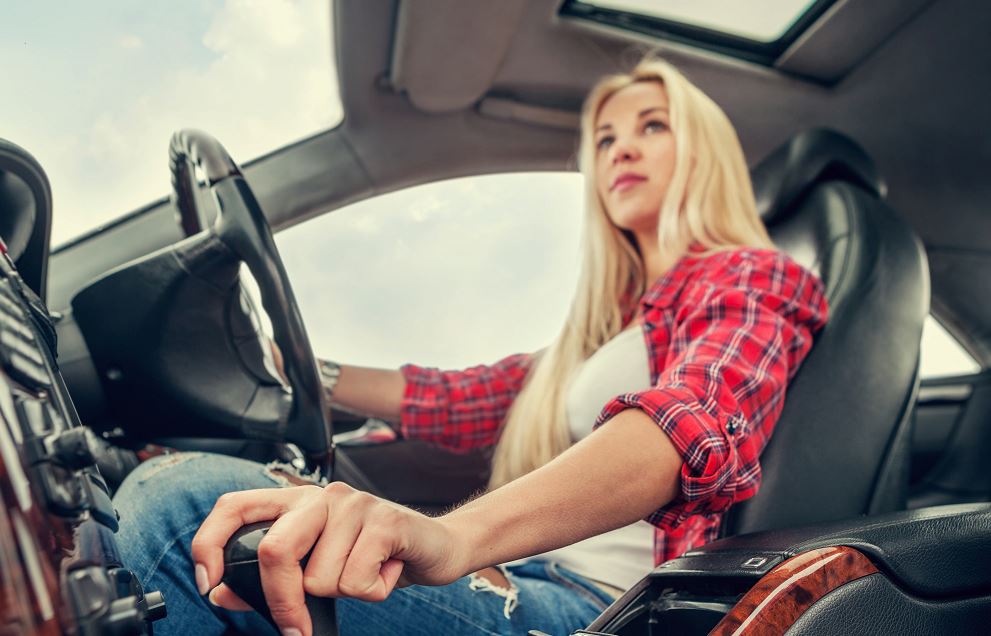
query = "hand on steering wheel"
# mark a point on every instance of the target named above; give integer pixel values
(243, 228)
(280, 366)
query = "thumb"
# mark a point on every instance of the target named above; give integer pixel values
(223, 596)
(391, 574)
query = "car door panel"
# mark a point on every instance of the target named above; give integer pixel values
(952, 441)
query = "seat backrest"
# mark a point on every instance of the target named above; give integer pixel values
(25, 214)
(842, 445)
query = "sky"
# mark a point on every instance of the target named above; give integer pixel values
(450, 274)
(764, 20)
(95, 90)
(419, 275)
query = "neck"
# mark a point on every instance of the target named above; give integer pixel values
(653, 265)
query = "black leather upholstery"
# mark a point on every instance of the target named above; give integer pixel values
(938, 552)
(784, 177)
(934, 576)
(875, 605)
(25, 214)
(841, 447)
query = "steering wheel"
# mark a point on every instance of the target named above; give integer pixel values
(241, 226)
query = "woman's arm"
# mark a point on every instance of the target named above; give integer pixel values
(457, 409)
(617, 475)
(364, 390)
(370, 391)
(363, 545)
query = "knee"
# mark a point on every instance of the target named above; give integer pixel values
(155, 484)
(184, 486)
(156, 493)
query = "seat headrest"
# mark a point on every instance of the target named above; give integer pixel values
(808, 158)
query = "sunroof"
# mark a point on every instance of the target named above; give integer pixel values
(757, 30)
(758, 20)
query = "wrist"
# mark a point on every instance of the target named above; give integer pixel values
(471, 548)
(330, 375)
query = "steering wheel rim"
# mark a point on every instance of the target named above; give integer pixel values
(243, 228)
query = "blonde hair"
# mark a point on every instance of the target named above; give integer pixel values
(709, 202)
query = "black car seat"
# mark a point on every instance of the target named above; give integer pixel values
(25, 214)
(841, 447)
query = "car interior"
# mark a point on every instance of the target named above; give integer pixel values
(863, 124)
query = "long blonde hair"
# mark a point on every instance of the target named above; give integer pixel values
(709, 202)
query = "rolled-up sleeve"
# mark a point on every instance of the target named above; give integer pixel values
(460, 410)
(736, 341)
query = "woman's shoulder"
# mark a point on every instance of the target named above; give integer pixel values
(769, 273)
(737, 256)
(760, 270)
(751, 263)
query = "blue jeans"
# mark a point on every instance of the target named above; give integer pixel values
(163, 501)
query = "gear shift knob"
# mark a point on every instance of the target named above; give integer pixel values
(241, 574)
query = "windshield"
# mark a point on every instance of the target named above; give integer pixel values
(95, 91)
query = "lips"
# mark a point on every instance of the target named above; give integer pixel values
(626, 181)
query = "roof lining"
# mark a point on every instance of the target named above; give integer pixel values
(844, 36)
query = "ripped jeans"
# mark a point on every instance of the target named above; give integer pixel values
(162, 503)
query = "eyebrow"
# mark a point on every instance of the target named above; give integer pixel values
(645, 111)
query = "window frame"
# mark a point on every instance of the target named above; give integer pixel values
(764, 53)
(955, 377)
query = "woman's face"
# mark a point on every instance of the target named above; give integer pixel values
(634, 156)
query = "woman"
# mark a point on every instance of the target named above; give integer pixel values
(685, 330)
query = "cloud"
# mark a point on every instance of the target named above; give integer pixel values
(265, 78)
(486, 267)
(130, 42)
(449, 274)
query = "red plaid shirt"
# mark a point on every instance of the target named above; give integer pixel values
(725, 333)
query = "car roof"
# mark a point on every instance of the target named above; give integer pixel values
(486, 87)
(451, 88)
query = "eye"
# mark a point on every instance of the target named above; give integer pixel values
(604, 142)
(654, 126)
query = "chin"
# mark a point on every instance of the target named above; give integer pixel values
(635, 220)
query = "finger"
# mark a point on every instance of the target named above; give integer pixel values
(392, 571)
(278, 361)
(223, 596)
(229, 514)
(330, 554)
(279, 554)
(371, 573)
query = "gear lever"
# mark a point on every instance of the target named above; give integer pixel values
(241, 574)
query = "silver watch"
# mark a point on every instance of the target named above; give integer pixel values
(330, 373)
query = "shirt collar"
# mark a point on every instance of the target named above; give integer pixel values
(665, 289)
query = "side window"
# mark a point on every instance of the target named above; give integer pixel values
(942, 355)
(447, 274)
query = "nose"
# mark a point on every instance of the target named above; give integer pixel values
(624, 149)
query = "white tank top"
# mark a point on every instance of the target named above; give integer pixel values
(623, 556)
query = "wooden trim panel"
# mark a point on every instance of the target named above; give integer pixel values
(777, 600)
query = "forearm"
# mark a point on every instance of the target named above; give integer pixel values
(620, 473)
(370, 391)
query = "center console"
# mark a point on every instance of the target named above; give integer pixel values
(914, 572)
(59, 567)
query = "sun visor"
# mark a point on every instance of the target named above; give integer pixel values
(447, 64)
